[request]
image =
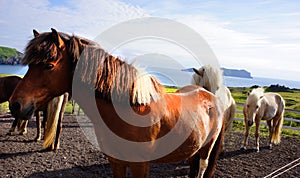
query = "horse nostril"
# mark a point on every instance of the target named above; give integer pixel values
(250, 123)
(15, 108)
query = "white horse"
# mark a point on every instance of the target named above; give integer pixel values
(264, 106)
(211, 79)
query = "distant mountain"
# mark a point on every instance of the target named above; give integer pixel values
(236, 73)
(230, 72)
(10, 56)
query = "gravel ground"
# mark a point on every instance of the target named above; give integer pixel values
(20, 156)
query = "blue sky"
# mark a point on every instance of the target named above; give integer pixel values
(262, 36)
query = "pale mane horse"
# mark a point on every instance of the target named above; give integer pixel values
(211, 78)
(264, 106)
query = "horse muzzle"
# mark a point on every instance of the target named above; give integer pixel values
(250, 122)
(22, 113)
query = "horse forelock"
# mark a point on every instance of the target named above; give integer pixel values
(213, 76)
(42, 49)
(211, 80)
(255, 95)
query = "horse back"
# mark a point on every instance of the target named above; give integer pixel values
(204, 103)
(7, 86)
(275, 102)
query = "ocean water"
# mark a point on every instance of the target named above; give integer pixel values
(246, 82)
(13, 69)
(176, 77)
(172, 77)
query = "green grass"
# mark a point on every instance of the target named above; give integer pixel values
(4, 107)
(9, 52)
(6, 75)
(171, 89)
(239, 126)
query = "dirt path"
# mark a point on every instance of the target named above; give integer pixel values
(21, 157)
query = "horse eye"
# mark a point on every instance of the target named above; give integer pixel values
(49, 66)
(256, 106)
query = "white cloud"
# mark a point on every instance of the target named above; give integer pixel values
(86, 18)
(250, 35)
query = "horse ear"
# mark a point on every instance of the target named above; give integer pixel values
(57, 39)
(198, 72)
(35, 33)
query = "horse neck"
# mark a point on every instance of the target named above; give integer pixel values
(213, 78)
(212, 86)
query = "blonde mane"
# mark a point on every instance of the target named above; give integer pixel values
(255, 95)
(117, 80)
(257, 92)
(210, 78)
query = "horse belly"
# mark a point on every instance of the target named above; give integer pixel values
(187, 149)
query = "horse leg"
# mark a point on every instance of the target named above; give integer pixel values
(73, 106)
(13, 127)
(139, 170)
(59, 125)
(205, 153)
(23, 127)
(269, 122)
(194, 165)
(244, 146)
(118, 168)
(58, 131)
(257, 125)
(38, 126)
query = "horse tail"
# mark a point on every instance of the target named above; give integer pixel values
(215, 152)
(53, 113)
(230, 115)
(278, 126)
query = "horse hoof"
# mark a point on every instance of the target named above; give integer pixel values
(257, 150)
(243, 148)
(9, 133)
(48, 148)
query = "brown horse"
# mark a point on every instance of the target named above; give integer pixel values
(135, 120)
(7, 86)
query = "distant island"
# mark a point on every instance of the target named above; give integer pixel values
(236, 73)
(10, 56)
(230, 72)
